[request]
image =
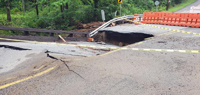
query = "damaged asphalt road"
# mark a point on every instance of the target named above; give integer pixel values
(13, 54)
(64, 62)
(121, 72)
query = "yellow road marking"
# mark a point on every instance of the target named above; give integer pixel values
(30, 77)
(119, 49)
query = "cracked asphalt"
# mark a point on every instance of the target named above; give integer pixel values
(121, 72)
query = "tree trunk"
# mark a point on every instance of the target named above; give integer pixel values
(49, 5)
(61, 8)
(23, 5)
(36, 6)
(66, 6)
(95, 9)
(167, 5)
(8, 11)
(28, 5)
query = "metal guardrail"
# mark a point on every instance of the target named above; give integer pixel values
(91, 34)
(51, 31)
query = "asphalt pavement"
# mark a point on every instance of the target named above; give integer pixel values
(187, 8)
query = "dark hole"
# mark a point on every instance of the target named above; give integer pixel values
(120, 39)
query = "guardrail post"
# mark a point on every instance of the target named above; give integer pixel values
(104, 36)
(26, 33)
(51, 34)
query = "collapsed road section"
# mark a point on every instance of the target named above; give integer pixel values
(121, 39)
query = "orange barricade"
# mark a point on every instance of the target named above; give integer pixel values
(145, 17)
(152, 18)
(149, 18)
(169, 20)
(165, 20)
(136, 19)
(189, 19)
(198, 21)
(184, 19)
(157, 18)
(162, 19)
(177, 19)
(141, 19)
(192, 21)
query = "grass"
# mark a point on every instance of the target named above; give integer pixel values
(180, 6)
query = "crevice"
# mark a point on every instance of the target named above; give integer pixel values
(70, 69)
(64, 53)
(64, 62)
(13, 47)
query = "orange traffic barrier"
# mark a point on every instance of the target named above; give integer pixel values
(189, 19)
(175, 19)
(156, 18)
(152, 18)
(141, 20)
(136, 19)
(184, 19)
(145, 17)
(192, 21)
(198, 21)
(162, 18)
(169, 20)
(159, 16)
(149, 18)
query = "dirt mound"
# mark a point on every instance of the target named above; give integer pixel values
(88, 26)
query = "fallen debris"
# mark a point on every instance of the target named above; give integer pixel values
(103, 43)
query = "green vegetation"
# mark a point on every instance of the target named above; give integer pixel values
(65, 14)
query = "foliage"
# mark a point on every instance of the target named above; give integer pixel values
(84, 11)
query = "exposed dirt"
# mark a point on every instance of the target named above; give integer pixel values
(88, 26)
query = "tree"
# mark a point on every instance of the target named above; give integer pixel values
(95, 9)
(167, 5)
(23, 5)
(36, 6)
(28, 5)
(8, 11)
(66, 6)
(61, 9)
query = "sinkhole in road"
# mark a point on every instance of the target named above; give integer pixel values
(120, 39)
